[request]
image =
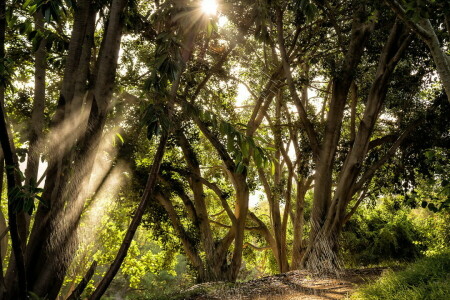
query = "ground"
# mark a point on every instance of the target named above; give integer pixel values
(292, 285)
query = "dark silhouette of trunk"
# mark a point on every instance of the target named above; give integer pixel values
(52, 243)
(2, 158)
(12, 177)
(76, 294)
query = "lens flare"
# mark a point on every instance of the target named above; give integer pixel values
(209, 7)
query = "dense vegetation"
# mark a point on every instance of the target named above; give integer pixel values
(149, 145)
(428, 278)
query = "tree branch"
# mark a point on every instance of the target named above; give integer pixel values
(401, 13)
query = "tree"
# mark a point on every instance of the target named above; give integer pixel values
(417, 16)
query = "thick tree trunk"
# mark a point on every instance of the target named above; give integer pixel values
(322, 253)
(37, 114)
(440, 57)
(56, 176)
(53, 240)
(324, 170)
(325, 161)
(276, 194)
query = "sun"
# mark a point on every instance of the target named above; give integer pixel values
(209, 7)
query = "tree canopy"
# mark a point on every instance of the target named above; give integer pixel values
(231, 130)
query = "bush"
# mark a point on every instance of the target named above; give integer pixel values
(428, 278)
(381, 234)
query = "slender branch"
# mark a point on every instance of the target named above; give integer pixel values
(247, 244)
(76, 294)
(401, 13)
(309, 128)
(355, 207)
(371, 171)
(250, 228)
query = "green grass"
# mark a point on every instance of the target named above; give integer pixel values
(428, 278)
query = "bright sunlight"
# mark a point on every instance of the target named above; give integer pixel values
(209, 7)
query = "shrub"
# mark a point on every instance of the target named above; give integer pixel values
(428, 278)
(381, 234)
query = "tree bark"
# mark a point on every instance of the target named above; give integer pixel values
(321, 253)
(55, 234)
(340, 90)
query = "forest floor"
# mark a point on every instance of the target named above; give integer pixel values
(291, 285)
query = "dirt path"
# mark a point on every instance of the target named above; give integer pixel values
(293, 285)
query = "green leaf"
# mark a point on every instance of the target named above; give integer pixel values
(240, 168)
(245, 148)
(120, 137)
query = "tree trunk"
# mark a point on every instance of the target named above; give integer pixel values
(53, 239)
(241, 210)
(320, 255)
(440, 57)
(298, 223)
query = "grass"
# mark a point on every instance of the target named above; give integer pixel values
(427, 278)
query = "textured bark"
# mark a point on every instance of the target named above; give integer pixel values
(395, 46)
(298, 223)
(440, 57)
(190, 250)
(37, 113)
(53, 239)
(241, 210)
(321, 252)
(276, 194)
(56, 165)
(239, 181)
(213, 265)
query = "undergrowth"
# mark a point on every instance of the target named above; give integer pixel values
(428, 278)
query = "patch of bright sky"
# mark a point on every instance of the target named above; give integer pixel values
(41, 169)
(255, 197)
(243, 94)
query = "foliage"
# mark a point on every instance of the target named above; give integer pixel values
(221, 147)
(381, 234)
(428, 278)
